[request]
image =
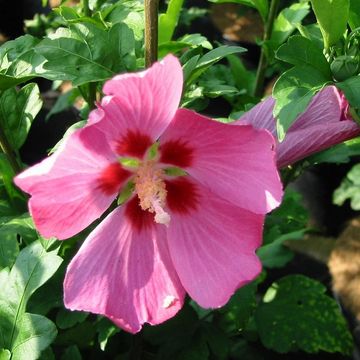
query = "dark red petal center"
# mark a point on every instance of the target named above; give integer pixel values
(182, 195)
(134, 143)
(139, 218)
(111, 178)
(176, 152)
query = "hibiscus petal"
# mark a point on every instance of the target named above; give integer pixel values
(319, 127)
(238, 165)
(212, 242)
(303, 142)
(260, 116)
(74, 186)
(140, 106)
(125, 272)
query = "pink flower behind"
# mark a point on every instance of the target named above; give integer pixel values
(196, 193)
(324, 123)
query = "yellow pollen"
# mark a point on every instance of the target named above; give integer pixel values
(151, 190)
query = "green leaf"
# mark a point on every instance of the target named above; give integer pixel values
(18, 62)
(66, 319)
(275, 255)
(196, 40)
(35, 334)
(332, 16)
(293, 92)
(169, 20)
(9, 231)
(82, 335)
(196, 349)
(175, 335)
(106, 330)
(351, 89)
(17, 111)
(218, 81)
(354, 18)
(243, 78)
(210, 58)
(349, 189)
(297, 314)
(290, 216)
(301, 51)
(287, 21)
(22, 225)
(287, 222)
(313, 33)
(9, 249)
(340, 153)
(130, 13)
(7, 174)
(87, 53)
(190, 40)
(68, 13)
(72, 353)
(261, 5)
(236, 313)
(5, 354)
(24, 334)
(217, 341)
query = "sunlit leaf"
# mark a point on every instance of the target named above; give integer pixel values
(293, 91)
(349, 189)
(332, 16)
(18, 61)
(204, 62)
(287, 21)
(168, 21)
(24, 334)
(87, 53)
(299, 50)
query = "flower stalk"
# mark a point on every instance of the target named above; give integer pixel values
(263, 63)
(86, 8)
(151, 31)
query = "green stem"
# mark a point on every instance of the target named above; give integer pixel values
(151, 31)
(8, 151)
(260, 74)
(86, 9)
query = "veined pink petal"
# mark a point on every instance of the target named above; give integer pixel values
(140, 106)
(73, 187)
(302, 143)
(319, 127)
(212, 242)
(260, 116)
(125, 272)
(237, 165)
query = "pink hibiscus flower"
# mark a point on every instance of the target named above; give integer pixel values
(192, 230)
(324, 123)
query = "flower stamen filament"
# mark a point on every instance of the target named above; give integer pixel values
(151, 190)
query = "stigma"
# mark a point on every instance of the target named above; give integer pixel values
(151, 190)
